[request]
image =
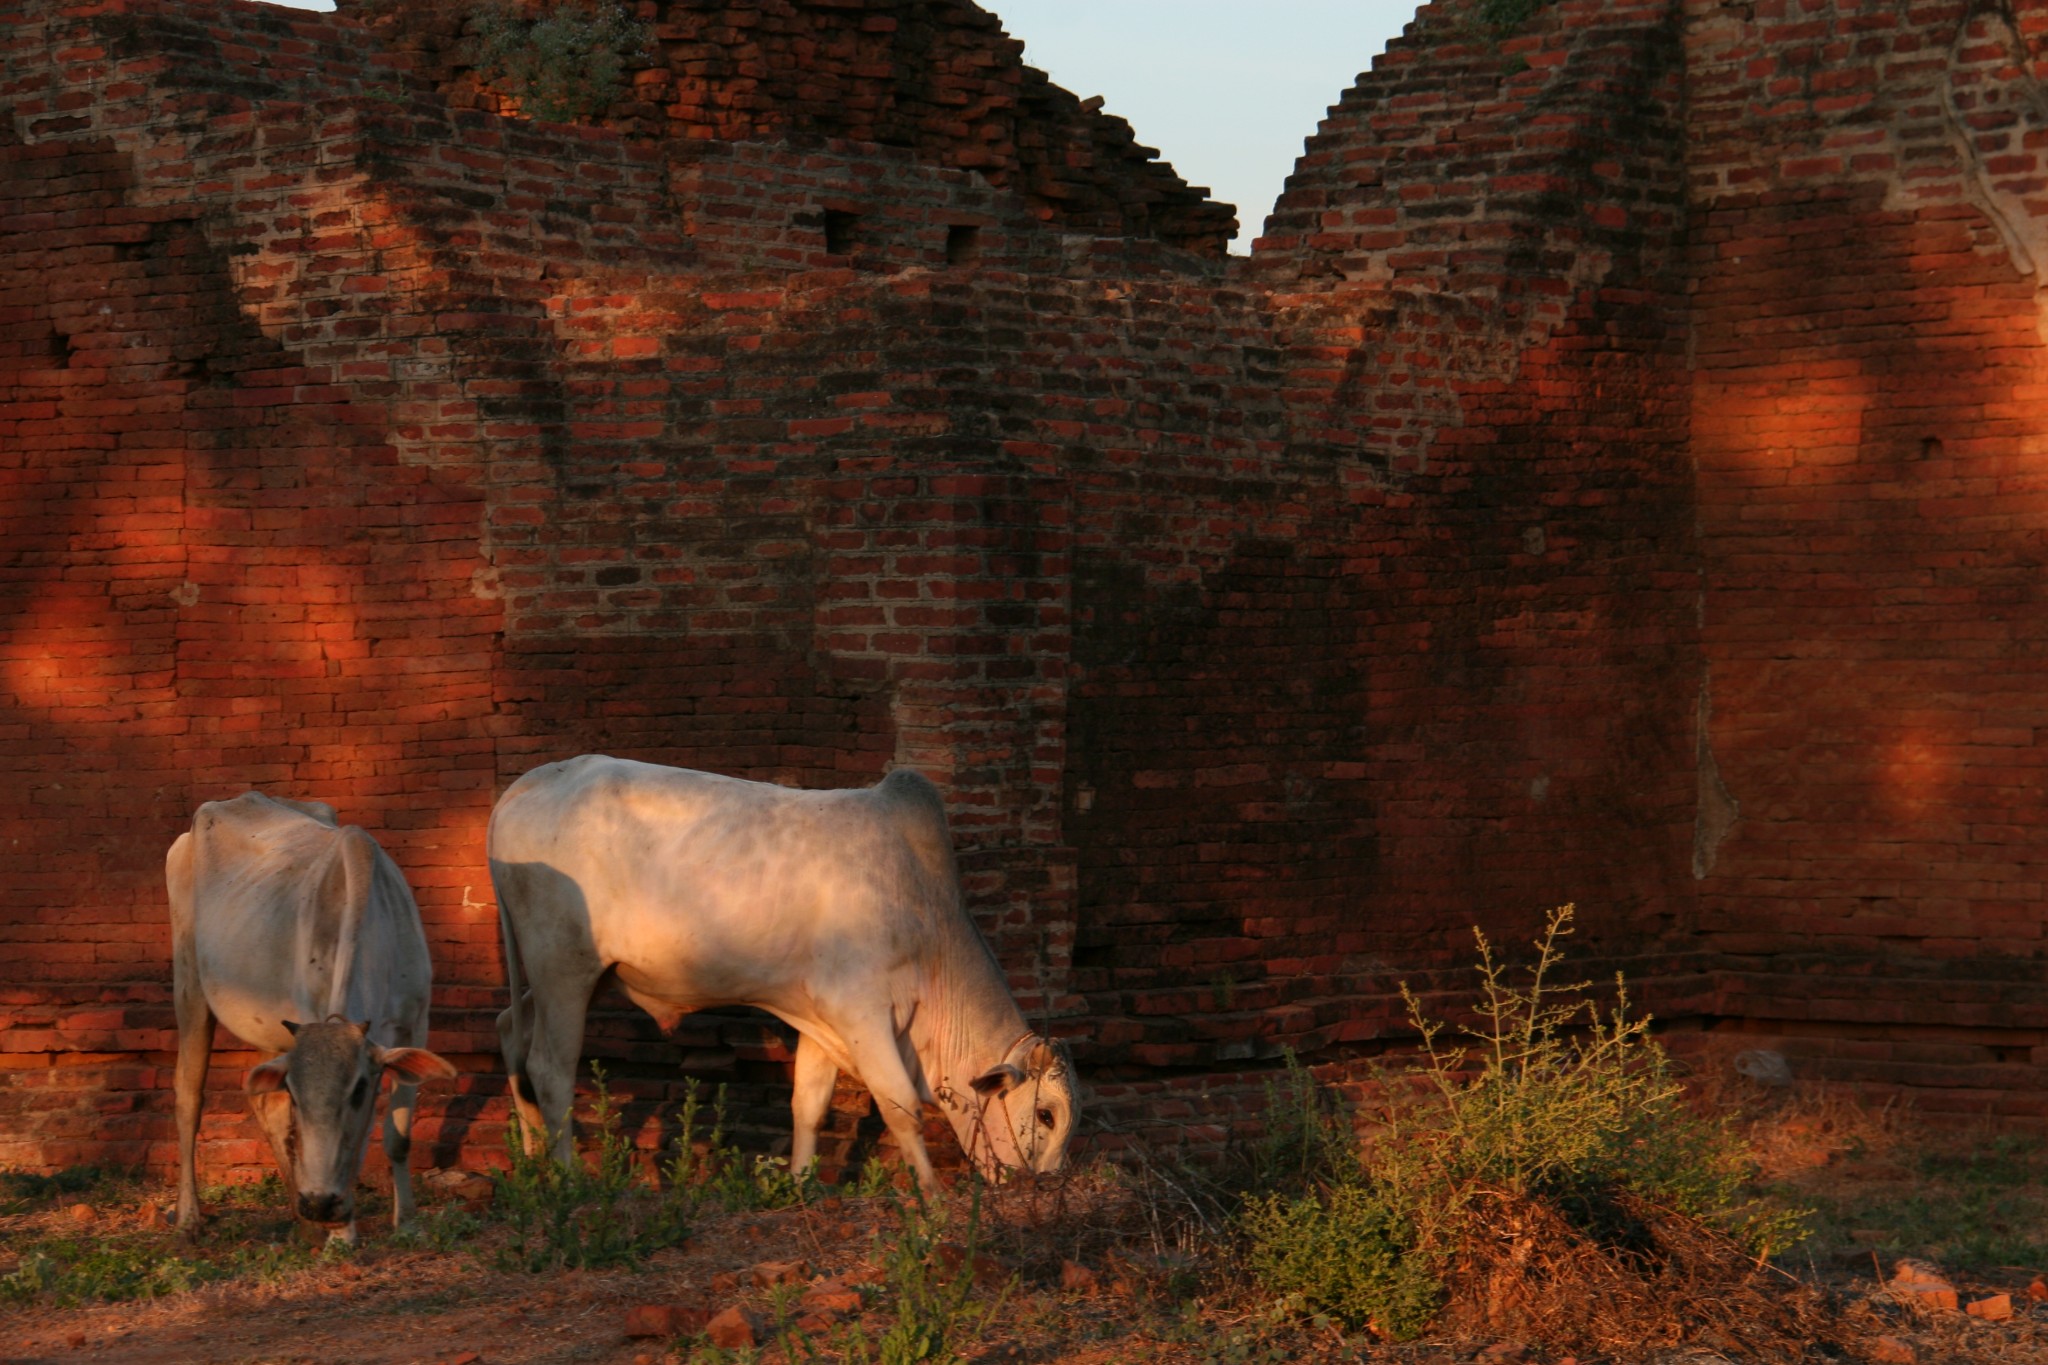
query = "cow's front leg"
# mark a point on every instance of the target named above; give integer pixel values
(195, 1052)
(875, 1055)
(398, 1118)
(816, 1076)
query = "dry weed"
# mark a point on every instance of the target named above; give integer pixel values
(1647, 1277)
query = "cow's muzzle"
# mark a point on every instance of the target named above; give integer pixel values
(324, 1208)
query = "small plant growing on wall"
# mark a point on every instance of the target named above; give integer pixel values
(567, 63)
(1506, 16)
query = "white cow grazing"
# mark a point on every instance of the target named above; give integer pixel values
(838, 911)
(303, 939)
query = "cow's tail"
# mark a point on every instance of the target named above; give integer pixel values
(513, 1024)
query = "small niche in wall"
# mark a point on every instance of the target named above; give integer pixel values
(842, 231)
(963, 244)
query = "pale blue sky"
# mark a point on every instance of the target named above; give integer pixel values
(1225, 89)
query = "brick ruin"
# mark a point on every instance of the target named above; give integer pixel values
(1611, 477)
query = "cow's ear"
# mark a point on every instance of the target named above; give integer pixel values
(268, 1078)
(415, 1064)
(997, 1079)
(1045, 1055)
(291, 1026)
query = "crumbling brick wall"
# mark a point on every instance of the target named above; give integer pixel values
(1554, 507)
(938, 77)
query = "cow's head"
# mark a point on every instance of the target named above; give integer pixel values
(1027, 1108)
(316, 1102)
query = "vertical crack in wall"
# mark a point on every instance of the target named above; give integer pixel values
(1718, 809)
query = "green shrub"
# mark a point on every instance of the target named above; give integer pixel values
(1546, 1099)
(568, 64)
(1550, 1097)
(1348, 1253)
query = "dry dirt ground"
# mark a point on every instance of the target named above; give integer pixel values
(1880, 1187)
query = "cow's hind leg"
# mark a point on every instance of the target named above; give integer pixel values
(398, 1117)
(513, 1043)
(552, 1052)
(816, 1075)
(195, 1030)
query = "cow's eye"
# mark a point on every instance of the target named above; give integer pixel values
(1045, 1118)
(355, 1096)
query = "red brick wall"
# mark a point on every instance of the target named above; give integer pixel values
(218, 575)
(1868, 365)
(1604, 483)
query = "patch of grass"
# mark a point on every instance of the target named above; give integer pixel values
(22, 1191)
(447, 1229)
(1967, 1205)
(569, 1214)
(70, 1180)
(68, 1271)
(932, 1299)
(1257, 1339)
(1307, 1140)
(872, 1182)
(726, 1175)
(263, 1193)
(567, 64)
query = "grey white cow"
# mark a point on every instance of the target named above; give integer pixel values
(838, 911)
(302, 937)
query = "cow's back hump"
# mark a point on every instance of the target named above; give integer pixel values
(912, 805)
